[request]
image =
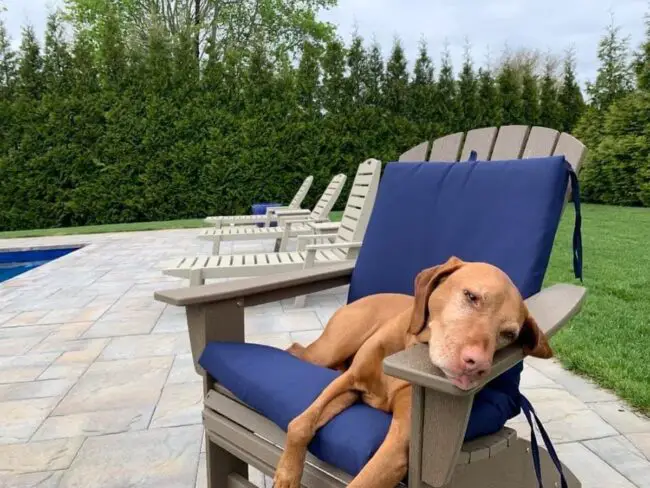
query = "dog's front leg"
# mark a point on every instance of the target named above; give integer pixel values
(389, 465)
(335, 398)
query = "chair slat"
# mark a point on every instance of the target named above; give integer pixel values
(417, 153)
(300, 195)
(541, 142)
(446, 149)
(572, 149)
(481, 141)
(510, 142)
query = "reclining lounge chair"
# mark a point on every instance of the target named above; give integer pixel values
(505, 213)
(302, 222)
(347, 241)
(293, 206)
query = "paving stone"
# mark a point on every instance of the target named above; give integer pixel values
(591, 470)
(85, 314)
(131, 322)
(24, 368)
(147, 345)
(93, 423)
(531, 378)
(289, 322)
(624, 457)
(38, 457)
(581, 388)
(109, 385)
(21, 418)
(307, 337)
(18, 346)
(64, 371)
(281, 340)
(157, 458)
(48, 479)
(34, 389)
(179, 404)
(566, 427)
(183, 370)
(622, 417)
(641, 442)
(26, 318)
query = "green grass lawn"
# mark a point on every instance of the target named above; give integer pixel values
(609, 340)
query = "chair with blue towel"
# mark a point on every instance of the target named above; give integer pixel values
(505, 212)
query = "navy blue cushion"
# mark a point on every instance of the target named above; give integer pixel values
(505, 213)
(280, 387)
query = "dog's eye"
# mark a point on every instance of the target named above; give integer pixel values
(508, 336)
(470, 296)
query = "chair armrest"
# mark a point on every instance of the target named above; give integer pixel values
(551, 307)
(263, 289)
(325, 226)
(333, 245)
(290, 211)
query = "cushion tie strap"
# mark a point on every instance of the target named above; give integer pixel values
(473, 156)
(529, 412)
(577, 235)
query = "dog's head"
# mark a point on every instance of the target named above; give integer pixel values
(466, 311)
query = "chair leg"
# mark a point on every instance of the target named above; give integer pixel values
(511, 468)
(220, 464)
(216, 244)
(196, 278)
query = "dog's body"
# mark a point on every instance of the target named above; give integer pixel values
(465, 311)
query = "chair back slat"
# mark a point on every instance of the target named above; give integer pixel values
(417, 153)
(541, 142)
(360, 203)
(572, 149)
(481, 141)
(328, 198)
(301, 193)
(446, 149)
(510, 142)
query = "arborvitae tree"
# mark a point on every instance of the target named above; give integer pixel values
(468, 102)
(375, 75)
(396, 81)
(642, 61)
(529, 96)
(422, 91)
(30, 66)
(308, 76)
(510, 88)
(489, 107)
(355, 88)
(7, 63)
(570, 96)
(333, 77)
(550, 111)
(614, 78)
(446, 106)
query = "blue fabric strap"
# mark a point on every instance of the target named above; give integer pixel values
(529, 412)
(473, 155)
(577, 235)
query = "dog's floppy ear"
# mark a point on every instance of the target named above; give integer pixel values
(425, 282)
(532, 338)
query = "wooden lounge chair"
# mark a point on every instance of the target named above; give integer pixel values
(345, 245)
(238, 433)
(267, 219)
(301, 222)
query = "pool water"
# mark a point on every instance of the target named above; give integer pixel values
(14, 263)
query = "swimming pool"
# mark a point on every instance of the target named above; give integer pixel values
(15, 262)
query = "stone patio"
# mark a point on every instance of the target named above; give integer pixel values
(97, 387)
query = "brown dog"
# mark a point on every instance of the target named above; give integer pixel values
(465, 311)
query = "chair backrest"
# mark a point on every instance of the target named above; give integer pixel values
(500, 143)
(328, 198)
(361, 201)
(301, 193)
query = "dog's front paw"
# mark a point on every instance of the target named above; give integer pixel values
(287, 476)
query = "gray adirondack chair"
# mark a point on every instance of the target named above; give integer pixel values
(237, 436)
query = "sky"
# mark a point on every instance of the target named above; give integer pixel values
(488, 25)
